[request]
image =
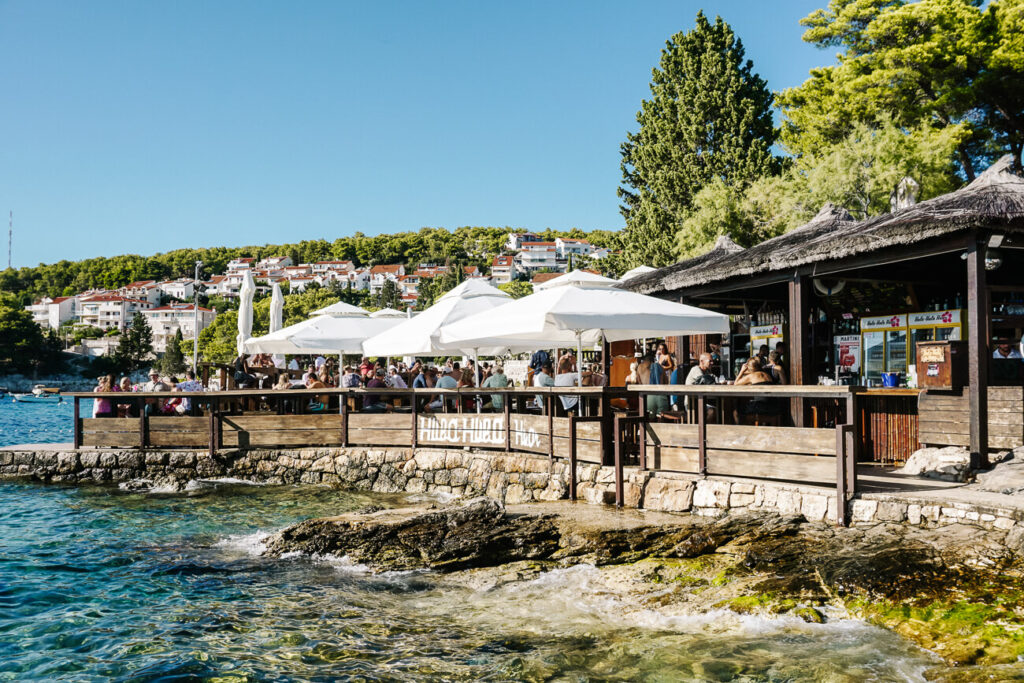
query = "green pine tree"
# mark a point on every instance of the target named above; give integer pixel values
(136, 345)
(173, 361)
(709, 116)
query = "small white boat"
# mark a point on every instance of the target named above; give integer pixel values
(40, 394)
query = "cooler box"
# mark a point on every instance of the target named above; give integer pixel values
(942, 365)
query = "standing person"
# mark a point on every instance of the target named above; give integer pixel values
(544, 378)
(1005, 352)
(497, 380)
(319, 362)
(666, 361)
(538, 360)
(776, 369)
(365, 369)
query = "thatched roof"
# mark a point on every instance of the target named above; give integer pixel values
(994, 199)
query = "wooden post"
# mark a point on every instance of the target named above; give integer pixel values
(415, 420)
(853, 441)
(977, 353)
(507, 408)
(619, 486)
(572, 456)
(78, 426)
(551, 426)
(799, 342)
(143, 426)
(841, 458)
(343, 407)
(702, 437)
(213, 428)
(684, 350)
(641, 432)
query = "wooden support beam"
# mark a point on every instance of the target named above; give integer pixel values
(799, 341)
(78, 426)
(977, 352)
(143, 425)
(213, 428)
(702, 437)
(415, 420)
(343, 407)
(572, 456)
(841, 483)
(507, 406)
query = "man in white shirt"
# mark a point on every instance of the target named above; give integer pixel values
(445, 381)
(1006, 352)
(567, 378)
(319, 363)
(293, 364)
(543, 379)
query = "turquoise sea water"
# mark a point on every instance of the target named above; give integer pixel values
(101, 584)
(38, 422)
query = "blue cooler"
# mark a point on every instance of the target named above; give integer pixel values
(890, 380)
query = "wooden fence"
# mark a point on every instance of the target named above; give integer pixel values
(531, 421)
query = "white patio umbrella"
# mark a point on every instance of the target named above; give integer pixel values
(388, 313)
(245, 311)
(341, 309)
(322, 334)
(582, 308)
(421, 335)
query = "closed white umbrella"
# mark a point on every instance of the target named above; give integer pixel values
(582, 308)
(323, 334)
(276, 308)
(245, 311)
(421, 335)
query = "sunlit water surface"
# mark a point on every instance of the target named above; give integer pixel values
(101, 584)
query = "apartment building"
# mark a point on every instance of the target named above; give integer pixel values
(380, 274)
(503, 269)
(538, 255)
(111, 311)
(165, 321)
(50, 313)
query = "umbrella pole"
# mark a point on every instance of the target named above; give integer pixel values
(476, 371)
(579, 358)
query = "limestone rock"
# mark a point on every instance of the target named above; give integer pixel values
(1006, 477)
(952, 463)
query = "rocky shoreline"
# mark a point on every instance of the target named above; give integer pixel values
(956, 592)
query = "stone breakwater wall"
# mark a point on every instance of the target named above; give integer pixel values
(512, 479)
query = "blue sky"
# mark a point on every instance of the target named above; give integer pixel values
(139, 127)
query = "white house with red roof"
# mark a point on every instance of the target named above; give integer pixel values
(516, 240)
(566, 247)
(503, 269)
(146, 290)
(111, 311)
(322, 267)
(274, 263)
(240, 264)
(537, 255)
(165, 321)
(49, 313)
(381, 274)
(182, 288)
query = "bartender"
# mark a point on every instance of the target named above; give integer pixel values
(1006, 352)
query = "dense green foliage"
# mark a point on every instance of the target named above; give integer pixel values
(173, 360)
(433, 288)
(859, 174)
(709, 117)
(20, 339)
(389, 296)
(517, 289)
(948, 63)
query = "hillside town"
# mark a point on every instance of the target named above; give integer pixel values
(167, 308)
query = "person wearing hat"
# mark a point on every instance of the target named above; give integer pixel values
(155, 384)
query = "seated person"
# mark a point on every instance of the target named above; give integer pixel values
(318, 403)
(700, 374)
(544, 378)
(566, 377)
(445, 381)
(497, 380)
(376, 403)
(753, 375)
(243, 378)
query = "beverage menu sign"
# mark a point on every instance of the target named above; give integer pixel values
(882, 322)
(762, 331)
(929, 318)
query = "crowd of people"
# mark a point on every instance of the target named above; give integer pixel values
(114, 406)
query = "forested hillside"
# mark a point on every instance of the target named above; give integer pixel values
(466, 245)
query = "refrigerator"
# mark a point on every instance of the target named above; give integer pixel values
(884, 342)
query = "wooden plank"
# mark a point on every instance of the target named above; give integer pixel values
(268, 422)
(287, 437)
(802, 468)
(111, 424)
(168, 439)
(941, 426)
(178, 424)
(778, 439)
(673, 459)
(380, 437)
(668, 434)
(380, 421)
(585, 431)
(112, 439)
(1006, 393)
(466, 429)
(586, 451)
(947, 439)
(998, 417)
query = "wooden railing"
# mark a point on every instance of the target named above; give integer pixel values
(593, 432)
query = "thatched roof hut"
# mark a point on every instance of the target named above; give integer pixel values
(995, 199)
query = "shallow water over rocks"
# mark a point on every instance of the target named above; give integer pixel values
(98, 583)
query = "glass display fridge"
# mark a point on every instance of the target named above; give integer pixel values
(884, 341)
(766, 334)
(846, 351)
(934, 326)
